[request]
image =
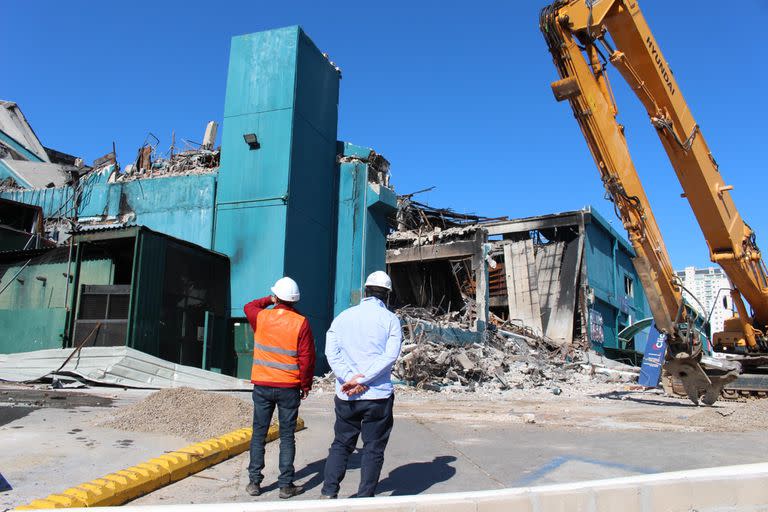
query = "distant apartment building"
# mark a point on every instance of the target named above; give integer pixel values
(710, 286)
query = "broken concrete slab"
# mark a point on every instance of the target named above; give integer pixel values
(522, 284)
(464, 361)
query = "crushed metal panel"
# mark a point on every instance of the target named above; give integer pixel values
(522, 284)
(119, 366)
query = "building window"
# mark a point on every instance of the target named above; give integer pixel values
(629, 290)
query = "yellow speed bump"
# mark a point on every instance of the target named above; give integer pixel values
(130, 483)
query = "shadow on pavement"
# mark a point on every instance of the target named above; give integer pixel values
(408, 479)
(314, 471)
(630, 396)
(417, 477)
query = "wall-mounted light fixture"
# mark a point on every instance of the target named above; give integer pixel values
(251, 140)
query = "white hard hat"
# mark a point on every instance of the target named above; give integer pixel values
(380, 279)
(286, 289)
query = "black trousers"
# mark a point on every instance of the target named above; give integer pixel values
(371, 418)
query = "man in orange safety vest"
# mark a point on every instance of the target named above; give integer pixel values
(283, 366)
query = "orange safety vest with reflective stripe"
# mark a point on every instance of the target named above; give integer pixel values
(275, 347)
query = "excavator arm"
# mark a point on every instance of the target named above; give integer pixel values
(583, 36)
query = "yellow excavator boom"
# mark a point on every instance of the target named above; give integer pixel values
(583, 36)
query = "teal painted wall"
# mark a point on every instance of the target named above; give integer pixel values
(313, 192)
(33, 313)
(608, 258)
(275, 206)
(361, 227)
(251, 203)
(179, 206)
(51, 200)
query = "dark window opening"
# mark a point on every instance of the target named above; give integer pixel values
(629, 290)
(18, 216)
(442, 285)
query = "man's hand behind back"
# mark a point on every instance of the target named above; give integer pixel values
(356, 390)
(352, 387)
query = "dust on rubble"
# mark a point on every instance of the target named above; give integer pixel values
(185, 412)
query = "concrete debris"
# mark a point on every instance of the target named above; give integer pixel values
(193, 161)
(209, 139)
(496, 359)
(460, 318)
(418, 237)
(378, 166)
(185, 412)
(464, 361)
(413, 215)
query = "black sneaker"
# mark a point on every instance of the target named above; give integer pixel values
(291, 491)
(326, 497)
(253, 489)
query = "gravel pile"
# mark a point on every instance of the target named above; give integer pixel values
(185, 412)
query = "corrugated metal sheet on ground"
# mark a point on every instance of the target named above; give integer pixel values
(119, 366)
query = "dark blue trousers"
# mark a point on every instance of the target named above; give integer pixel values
(371, 418)
(287, 401)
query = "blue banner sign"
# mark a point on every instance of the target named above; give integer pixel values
(655, 347)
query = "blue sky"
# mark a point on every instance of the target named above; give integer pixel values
(454, 94)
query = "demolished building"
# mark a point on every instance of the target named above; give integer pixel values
(566, 278)
(160, 255)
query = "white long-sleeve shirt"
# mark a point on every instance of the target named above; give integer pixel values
(364, 339)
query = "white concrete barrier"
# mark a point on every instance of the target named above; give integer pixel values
(719, 489)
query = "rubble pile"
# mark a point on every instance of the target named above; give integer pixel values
(185, 412)
(502, 360)
(193, 161)
(460, 318)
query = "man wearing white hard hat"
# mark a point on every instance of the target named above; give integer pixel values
(283, 365)
(362, 345)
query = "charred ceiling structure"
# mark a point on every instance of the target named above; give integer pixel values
(437, 261)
